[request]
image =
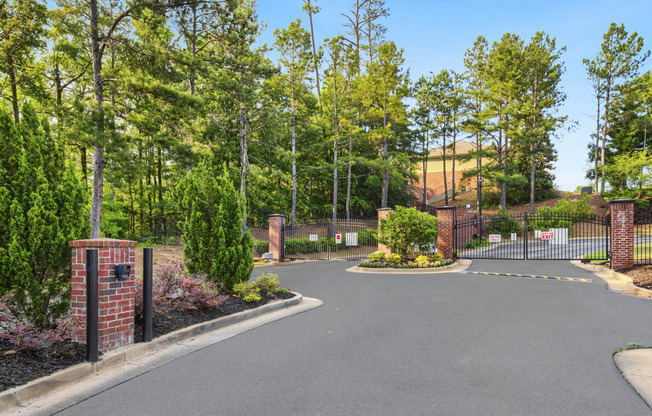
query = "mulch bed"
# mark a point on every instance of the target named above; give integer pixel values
(170, 321)
(18, 368)
(641, 275)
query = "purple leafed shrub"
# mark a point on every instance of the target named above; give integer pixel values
(175, 291)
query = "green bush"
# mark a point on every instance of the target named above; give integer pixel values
(377, 256)
(478, 242)
(368, 237)
(408, 231)
(437, 257)
(503, 223)
(212, 229)
(261, 247)
(268, 283)
(575, 208)
(547, 218)
(248, 291)
(422, 260)
(394, 259)
(43, 205)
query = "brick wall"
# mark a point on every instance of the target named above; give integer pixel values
(445, 221)
(116, 296)
(622, 233)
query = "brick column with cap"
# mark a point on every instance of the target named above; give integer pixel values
(382, 214)
(622, 233)
(116, 296)
(445, 222)
(276, 229)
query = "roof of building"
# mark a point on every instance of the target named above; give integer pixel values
(461, 147)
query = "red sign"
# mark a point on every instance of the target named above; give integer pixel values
(338, 238)
(494, 238)
(547, 235)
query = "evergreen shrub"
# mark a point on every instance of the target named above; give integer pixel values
(43, 205)
(212, 230)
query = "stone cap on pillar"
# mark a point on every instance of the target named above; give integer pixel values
(621, 201)
(445, 208)
(275, 216)
(384, 209)
(102, 242)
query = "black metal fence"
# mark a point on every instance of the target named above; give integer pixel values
(260, 234)
(643, 238)
(328, 239)
(541, 236)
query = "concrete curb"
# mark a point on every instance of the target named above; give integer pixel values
(616, 282)
(22, 395)
(458, 266)
(636, 368)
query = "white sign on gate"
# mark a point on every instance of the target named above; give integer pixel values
(547, 235)
(513, 236)
(351, 239)
(338, 238)
(313, 237)
(494, 238)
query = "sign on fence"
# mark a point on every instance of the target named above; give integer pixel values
(351, 239)
(547, 235)
(338, 238)
(313, 237)
(513, 236)
(494, 238)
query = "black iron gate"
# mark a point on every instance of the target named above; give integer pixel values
(329, 240)
(540, 236)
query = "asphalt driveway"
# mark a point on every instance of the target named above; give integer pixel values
(440, 344)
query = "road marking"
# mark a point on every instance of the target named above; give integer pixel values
(532, 276)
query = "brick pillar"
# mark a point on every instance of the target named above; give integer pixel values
(622, 233)
(445, 222)
(116, 296)
(382, 214)
(276, 240)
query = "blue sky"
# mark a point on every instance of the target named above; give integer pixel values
(435, 35)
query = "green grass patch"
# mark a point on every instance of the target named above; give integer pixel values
(640, 251)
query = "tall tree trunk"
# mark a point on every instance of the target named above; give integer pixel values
(425, 167)
(443, 155)
(314, 54)
(159, 169)
(294, 171)
(193, 48)
(454, 157)
(604, 137)
(503, 193)
(384, 196)
(597, 141)
(14, 88)
(98, 168)
(478, 165)
(243, 165)
(335, 128)
(348, 180)
(500, 162)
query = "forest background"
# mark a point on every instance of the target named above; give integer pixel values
(306, 126)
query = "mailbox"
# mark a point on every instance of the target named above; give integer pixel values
(122, 271)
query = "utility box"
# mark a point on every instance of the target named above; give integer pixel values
(587, 190)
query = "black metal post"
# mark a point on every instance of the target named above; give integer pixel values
(92, 306)
(148, 282)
